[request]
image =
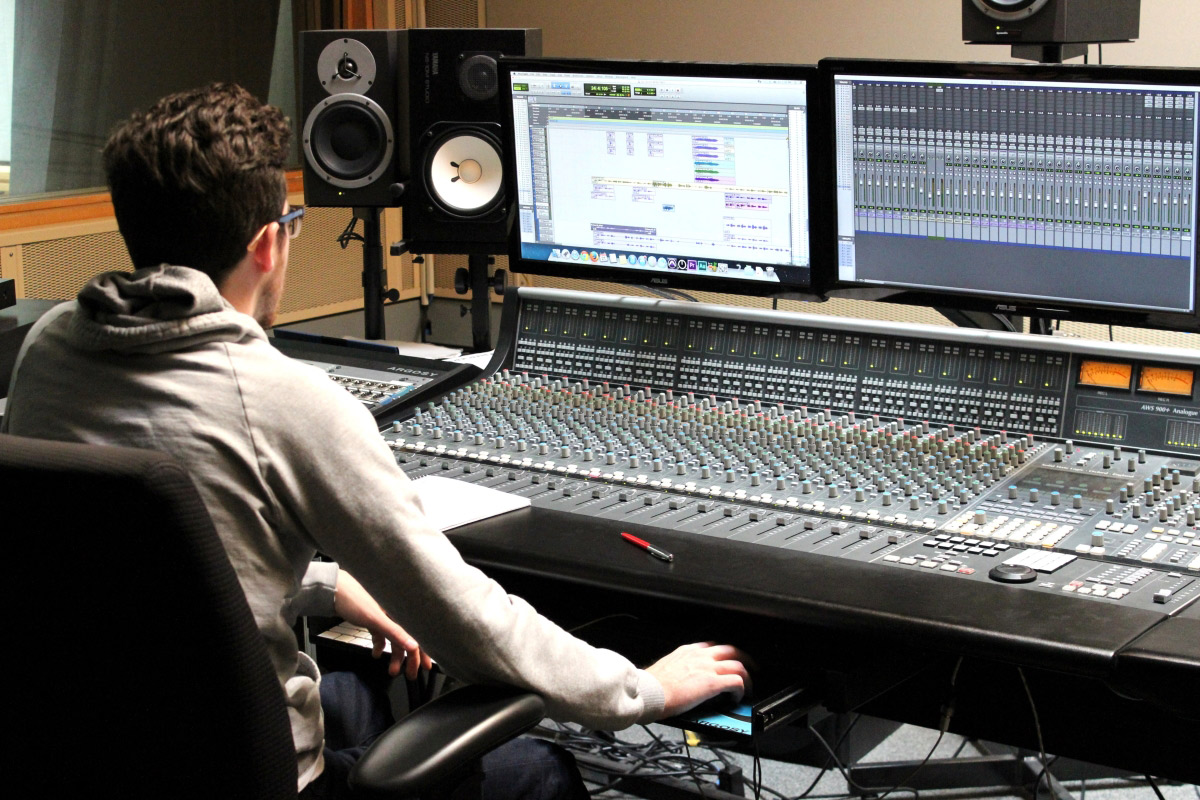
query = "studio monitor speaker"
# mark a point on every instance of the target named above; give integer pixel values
(348, 93)
(454, 201)
(1049, 21)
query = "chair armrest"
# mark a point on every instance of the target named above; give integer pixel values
(433, 743)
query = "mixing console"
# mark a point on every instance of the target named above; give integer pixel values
(385, 382)
(1066, 466)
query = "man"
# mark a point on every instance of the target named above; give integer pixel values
(173, 357)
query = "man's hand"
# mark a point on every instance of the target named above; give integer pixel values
(354, 604)
(695, 672)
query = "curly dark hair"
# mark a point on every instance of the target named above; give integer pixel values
(195, 177)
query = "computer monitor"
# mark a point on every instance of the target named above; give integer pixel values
(1056, 191)
(678, 175)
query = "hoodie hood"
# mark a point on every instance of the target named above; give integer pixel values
(155, 310)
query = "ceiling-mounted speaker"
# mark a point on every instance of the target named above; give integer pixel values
(1049, 21)
(349, 139)
(450, 109)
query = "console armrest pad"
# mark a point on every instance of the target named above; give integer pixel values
(434, 742)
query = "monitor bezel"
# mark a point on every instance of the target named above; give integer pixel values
(830, 68)
(667, 280)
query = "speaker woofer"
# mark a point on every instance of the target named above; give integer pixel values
(464, 173)
(1009, 10)
(348, 140)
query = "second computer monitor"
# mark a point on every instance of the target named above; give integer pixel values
(1061, 191)
(677, 175)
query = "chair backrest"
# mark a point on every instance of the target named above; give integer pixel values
(138, 665)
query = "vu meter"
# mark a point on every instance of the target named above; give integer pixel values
(1106, 374)
(1166, 380)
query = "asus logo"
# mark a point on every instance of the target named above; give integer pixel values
(659, 280)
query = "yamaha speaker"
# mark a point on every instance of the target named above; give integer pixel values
(348, 91)
(1049, 21)
(454, 200)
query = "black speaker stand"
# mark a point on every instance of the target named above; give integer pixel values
(481, 303)
(374, 279)
(1049, 53)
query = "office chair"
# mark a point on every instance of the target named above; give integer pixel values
(135, 664)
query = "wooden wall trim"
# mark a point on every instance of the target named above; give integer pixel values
(55, 211)
(77, 208)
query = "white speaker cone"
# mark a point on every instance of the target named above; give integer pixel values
(466, 174)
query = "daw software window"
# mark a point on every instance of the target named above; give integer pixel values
(699, 174)
(1083, 191)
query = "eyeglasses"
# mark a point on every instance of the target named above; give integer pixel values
(291, 221)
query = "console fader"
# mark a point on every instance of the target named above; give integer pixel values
(1060, 465)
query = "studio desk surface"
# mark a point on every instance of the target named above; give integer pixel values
(1116, 686)
(873, 607)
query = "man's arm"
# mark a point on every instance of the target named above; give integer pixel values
(338, 485)
(354, 604)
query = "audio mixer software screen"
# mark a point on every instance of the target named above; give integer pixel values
(703, 175)
(1077, 192)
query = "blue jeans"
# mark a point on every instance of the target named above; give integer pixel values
(357, 713)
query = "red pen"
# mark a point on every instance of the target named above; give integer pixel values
(649, 548)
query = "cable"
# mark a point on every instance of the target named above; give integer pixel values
(1037, 725)
(961, 746)
(663, 292)
(1006, 322)
(900, 787)
(350, 235)
(1154, 786)
(756, 774)
(654, 290)
(656, 758)
(692, 771)
(828, 761)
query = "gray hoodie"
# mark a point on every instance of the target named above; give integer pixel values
(288, 463)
